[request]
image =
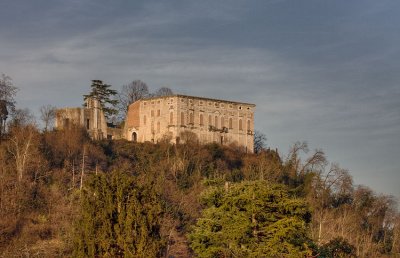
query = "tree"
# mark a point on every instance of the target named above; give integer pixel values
(118, 218)
(259, 141)
(130, 93)
(163, 91)
(7, 101)
(104, 94)
(47, 114)
(338, 247)
(23, 147)
(251, 219)
(7, 91)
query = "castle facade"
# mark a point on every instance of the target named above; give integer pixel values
(211, 120)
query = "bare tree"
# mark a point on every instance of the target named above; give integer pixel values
(259, 141)
(7, 91)
(47, 114)
(7, 101)
(163, 91)
(22, 117)
(22, 147)
(130, 93)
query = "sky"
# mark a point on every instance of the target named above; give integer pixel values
(324, 72)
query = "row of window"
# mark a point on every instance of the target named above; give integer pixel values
(215, 121)
(152, 113)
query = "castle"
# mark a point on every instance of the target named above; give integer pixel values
(170, 117)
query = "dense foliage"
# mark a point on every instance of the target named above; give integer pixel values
(252, 219)
(118, 219)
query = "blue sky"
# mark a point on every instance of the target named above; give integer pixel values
(326, 72)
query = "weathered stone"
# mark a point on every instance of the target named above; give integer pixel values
(211, 120)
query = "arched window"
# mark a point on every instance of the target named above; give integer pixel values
(144, 120)
(134, 137)
(158, 127)
(201, 119)
(240, 125)
(182, 118)
(171, 118)
(216, 122)
(248, 125)
(158, 112)
(230, 123)
(222, 122)
(209, 120)
(191, 118)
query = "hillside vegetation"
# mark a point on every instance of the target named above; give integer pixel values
(62, 194)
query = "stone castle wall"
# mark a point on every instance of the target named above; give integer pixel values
(90, 117)
(154, 119)
(211, 120)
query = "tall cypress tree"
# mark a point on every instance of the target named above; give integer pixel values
(104, 94)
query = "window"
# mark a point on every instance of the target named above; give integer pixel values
(191, 118)
(171, 118)
(222, 122)
(144, 120)
(182, 118)
(158, 127)
(216, 121)
(152, 113)
(87, 124)
(240, 125)
(230, 123)
(248, 125)
(201, 119)
(158, 112)
(209, 120)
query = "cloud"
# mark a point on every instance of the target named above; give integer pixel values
(325, 72)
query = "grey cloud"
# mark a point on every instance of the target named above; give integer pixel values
(325, 72)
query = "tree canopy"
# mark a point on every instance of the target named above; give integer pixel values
(251, 219)
(104, 94)
(118, 219)
(130, 93)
